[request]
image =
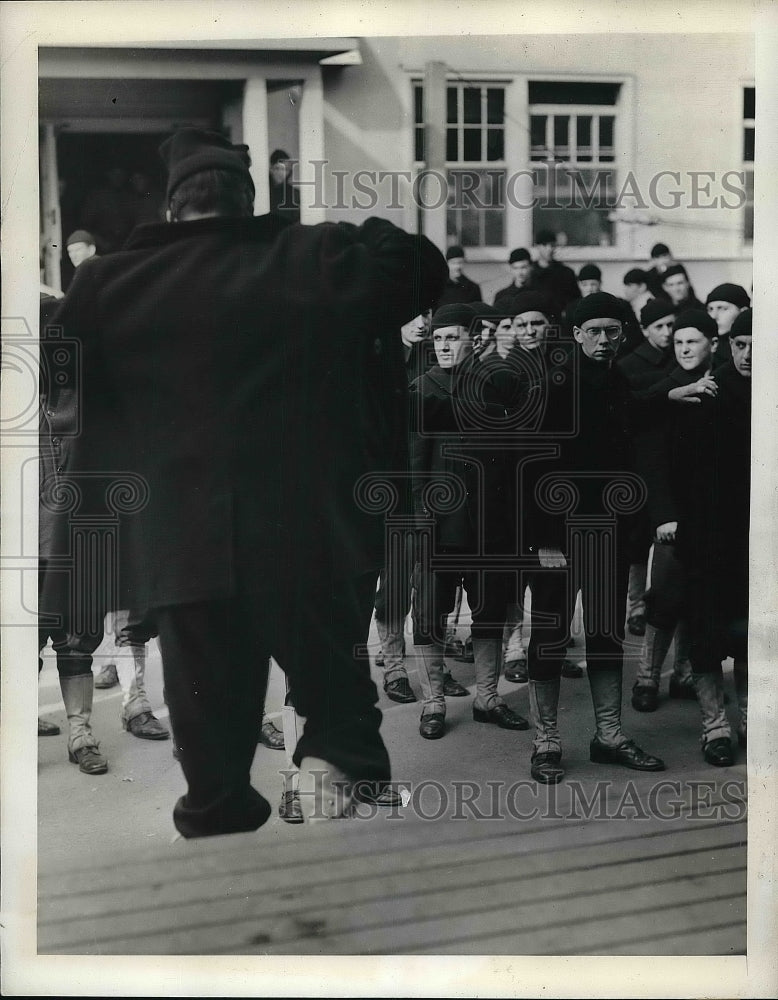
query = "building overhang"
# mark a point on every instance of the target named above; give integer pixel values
(143, 59)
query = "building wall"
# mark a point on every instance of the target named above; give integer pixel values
(687, 117)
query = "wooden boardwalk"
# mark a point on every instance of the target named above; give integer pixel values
(399, 884)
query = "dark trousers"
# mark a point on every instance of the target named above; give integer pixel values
(215, 662)
(603, 596)
(393, 598)
(488, 593)
(718, 617)
(74, 651)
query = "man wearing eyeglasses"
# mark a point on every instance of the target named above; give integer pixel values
(583, 502)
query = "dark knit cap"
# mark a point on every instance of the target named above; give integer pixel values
(728, 292)
(519, 254)
(598, 306)
(544, 237)
(80, 236)
(742, 325)
(653, 310)
(453, 314)
(672, 270)
(278, 156)
(698, 320)
(528, 301)
(635, 276)
(660, 250)
(193, 150)
(454, 253)
(590, 272)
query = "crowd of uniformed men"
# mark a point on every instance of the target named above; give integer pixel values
(266, 381)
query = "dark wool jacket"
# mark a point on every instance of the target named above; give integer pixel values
(243, 371)
(461, 422)
(558, 283)
(646, 365)
(463, 291)
(697, 469)
(589, 418)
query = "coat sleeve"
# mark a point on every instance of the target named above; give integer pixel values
(652, 448)
(421, 445)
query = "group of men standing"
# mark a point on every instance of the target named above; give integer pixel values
(264, 457)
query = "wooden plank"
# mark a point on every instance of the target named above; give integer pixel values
(273, 849)
(278, 844)
(433, 863)
(592, 923)
(233, 924)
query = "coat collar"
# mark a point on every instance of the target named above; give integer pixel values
(261, 228)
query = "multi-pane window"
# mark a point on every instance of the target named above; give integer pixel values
(573, 158)
(749, 122)
(475, 161)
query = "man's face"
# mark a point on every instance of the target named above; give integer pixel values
(725, 314)
(530, 329)
(677, 287)
(79, 252)
(546, 252)
(279, 171)
(415, 330)
(588, 286)
(631, 292)
(599, 338)
(521, 271)
(505, 337)
(455, 266)
(663, 261)
(741, 354)
(660, 333)
(692, 348)
(451, 345)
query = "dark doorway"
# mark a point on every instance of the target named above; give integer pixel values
(109, 183)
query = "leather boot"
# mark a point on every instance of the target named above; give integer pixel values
(487, 672)
(83, 748)
(610, 745)
(431, 672)
(393, 649)
(681, 683)
(741, 690)
(137, 716)
(656, 643)
(716, 733)
(546, 748)
(488, 706)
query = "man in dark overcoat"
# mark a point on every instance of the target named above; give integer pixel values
(697, 469)
(259, 374)
(579, 522)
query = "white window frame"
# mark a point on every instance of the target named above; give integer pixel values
(483, 81)
(518, 223)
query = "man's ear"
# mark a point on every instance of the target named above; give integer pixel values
(713, 344)
(168, 215)
(577, 334)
